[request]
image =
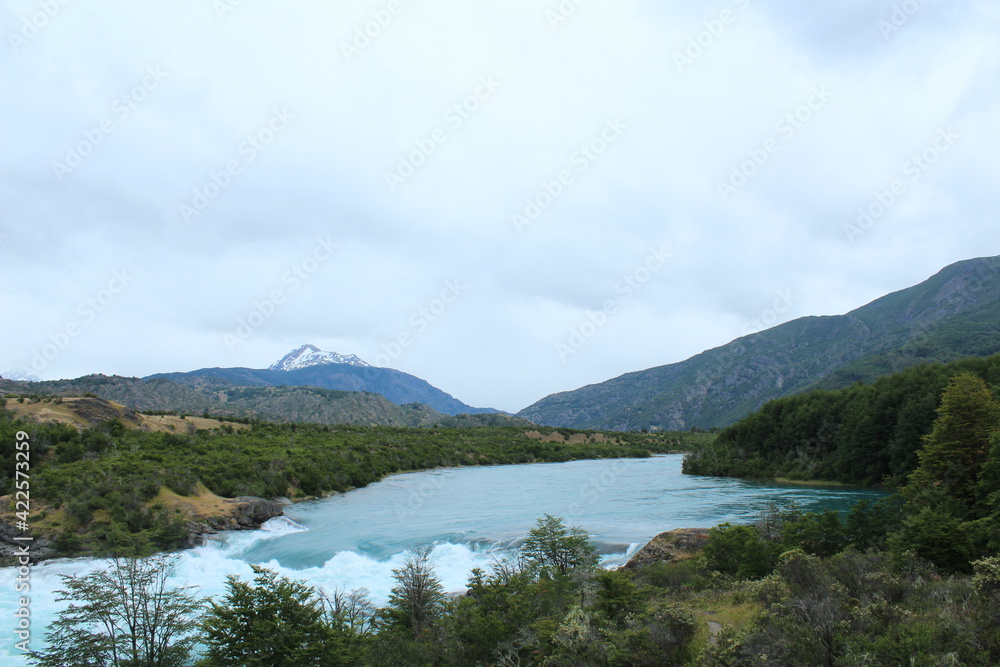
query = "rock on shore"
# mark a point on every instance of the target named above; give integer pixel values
(244, 513)
(671, 545)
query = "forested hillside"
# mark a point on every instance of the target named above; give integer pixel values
(865, 434)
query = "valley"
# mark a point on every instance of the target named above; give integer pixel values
(838, 454)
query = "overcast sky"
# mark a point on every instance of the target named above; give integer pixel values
(507, 199)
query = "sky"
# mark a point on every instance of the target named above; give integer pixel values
(505, 199)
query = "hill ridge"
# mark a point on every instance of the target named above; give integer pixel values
(953, 314)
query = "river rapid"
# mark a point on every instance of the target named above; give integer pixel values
(464, 516)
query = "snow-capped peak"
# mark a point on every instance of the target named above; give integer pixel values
(19, 376)
(310, 355)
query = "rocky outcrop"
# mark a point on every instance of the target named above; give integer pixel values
(243, 513)
(671, 545)
(39, 548)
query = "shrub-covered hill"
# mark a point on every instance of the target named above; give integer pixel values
(864, 434)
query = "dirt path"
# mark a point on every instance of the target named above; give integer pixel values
(714, 628)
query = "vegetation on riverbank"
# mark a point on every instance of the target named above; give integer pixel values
(97, 487)
(866, 434)
(947, 506)
(755, 595)
(911, 579)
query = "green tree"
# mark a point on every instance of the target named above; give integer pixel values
(660, 634)
(869, 523)
(497, 609)
(416, 599)
(556, 549)
(936, 536)
(274, 622)
(739, 551)
(819, 534)
(124, 615)
(416, 605)
(988, 489)
(617, 595)
(955, 450)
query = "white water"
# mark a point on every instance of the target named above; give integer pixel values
(464, 515)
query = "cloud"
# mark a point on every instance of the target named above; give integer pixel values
(479, 111)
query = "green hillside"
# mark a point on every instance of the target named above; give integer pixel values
(953, 315)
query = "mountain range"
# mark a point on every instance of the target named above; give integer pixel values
(312, 367)
(952, 315)
(221, 398)
(306, 385)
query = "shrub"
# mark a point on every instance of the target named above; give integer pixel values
(739, 551)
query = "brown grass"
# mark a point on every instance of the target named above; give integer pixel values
(48, 412)
(66, 412)
(203, 503)
(573, 439)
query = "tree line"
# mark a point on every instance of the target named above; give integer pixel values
(866, 434)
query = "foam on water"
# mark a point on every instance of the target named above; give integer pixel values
(207, 567)
(281, 525)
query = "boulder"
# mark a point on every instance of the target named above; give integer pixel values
(250, 512)
(245, 513)
(671, 545)
(39, 548)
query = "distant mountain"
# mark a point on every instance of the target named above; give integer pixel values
(953, 315)
(309, 366)
(20, 376)
(310, 355)
(221, 398)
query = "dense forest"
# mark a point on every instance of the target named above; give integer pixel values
(866, 434)
(931, 433)
(97, 487)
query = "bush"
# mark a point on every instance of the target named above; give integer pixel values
(660, 636)
(673, 575)
(739, 551)
(934, 536)
(816, 534)
(79, 512)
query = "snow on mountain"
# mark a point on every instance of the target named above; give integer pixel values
(310, 355)
(20, 376)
